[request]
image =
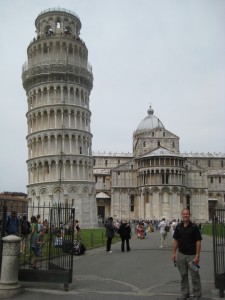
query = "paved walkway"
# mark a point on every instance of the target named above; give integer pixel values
(146, 272)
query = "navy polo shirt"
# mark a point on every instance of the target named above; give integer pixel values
(187, 237)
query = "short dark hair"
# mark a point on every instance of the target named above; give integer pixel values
(186, 209)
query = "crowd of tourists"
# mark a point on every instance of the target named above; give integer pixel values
(142, 228)
(32, 233)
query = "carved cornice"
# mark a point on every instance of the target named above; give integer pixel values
(45, 73)
(56, 67)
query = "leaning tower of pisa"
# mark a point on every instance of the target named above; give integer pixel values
(58, 81)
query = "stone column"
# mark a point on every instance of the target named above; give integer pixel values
(141, 207)
(9, 285)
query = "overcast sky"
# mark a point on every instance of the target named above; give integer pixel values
(170, 54)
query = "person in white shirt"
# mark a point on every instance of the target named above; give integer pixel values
(163, 239)
(173, 226)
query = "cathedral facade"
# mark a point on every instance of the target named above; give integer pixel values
(156, 179)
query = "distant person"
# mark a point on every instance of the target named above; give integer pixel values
(25, 231)
(37, 242)
(77, 230)
(124, 231)
(33, 229)
(140, 230)
(187, 239)
(110, 232)
(173, 226)
(145, 228)
(117, 225)
(12, 224)
(45, 225)
(33, 225)
(39, 222)
(162, 227)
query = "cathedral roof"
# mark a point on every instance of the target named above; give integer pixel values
(162, 152)
(113, 154)
(150, 122)
(204, 155)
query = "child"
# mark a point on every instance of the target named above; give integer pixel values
(36, 243)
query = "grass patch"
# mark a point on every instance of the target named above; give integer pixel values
(207, 229)
(93, 238)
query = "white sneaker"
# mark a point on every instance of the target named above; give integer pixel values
(160, 246)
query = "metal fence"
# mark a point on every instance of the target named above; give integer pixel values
(54, 262)
(219, 249)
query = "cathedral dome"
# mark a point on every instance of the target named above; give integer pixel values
(150, 122)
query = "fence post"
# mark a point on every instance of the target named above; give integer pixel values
(3, 227)
(9, 285)
(91, 239)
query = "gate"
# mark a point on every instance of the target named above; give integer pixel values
(55, 263)
(219, 249)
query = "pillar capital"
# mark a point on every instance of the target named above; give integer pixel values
(11, 245)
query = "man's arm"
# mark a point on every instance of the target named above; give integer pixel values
(174, 249)
(198, 249)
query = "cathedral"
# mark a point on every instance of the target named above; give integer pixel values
(156, 179)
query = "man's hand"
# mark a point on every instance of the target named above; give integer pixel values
(196, 259)
(173, 257)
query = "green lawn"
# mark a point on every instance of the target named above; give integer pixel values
(207, 229)
(93, 238)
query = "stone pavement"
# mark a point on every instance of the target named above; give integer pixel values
(146, 272)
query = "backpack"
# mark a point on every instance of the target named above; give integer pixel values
(12, 225)
(25, 227)
(167, 228)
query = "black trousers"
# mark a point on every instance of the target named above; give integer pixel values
(108, 244)
(123, 239)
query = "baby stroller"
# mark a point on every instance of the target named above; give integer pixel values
(78, 248)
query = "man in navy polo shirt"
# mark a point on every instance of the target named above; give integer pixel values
(187, 239)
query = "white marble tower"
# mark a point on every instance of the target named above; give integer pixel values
(58, 81)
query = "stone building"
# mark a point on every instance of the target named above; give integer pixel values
(58, 81)
(14, 201)
(156, 179)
